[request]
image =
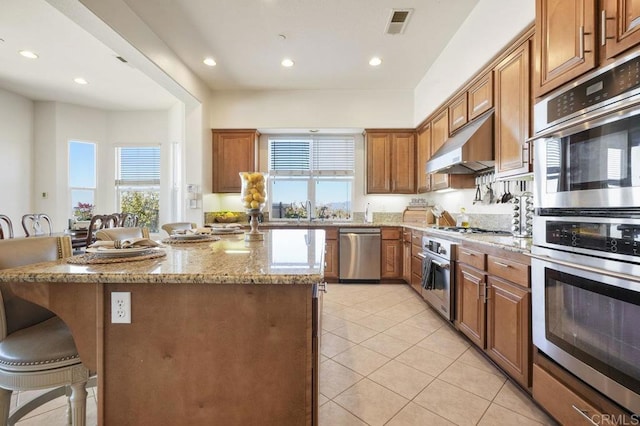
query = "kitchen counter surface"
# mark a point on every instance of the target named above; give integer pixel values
(287, 256)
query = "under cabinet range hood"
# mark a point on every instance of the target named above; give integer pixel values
(468, 151)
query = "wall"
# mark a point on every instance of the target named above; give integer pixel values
(16, 145)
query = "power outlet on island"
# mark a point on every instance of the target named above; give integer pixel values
(120, 307)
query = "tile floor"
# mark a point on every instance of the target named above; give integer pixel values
(388, 359)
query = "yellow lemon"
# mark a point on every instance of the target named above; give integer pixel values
(255, 204)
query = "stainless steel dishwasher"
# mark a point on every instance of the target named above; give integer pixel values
(359, 254)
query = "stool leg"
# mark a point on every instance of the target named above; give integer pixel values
(78, 400)
(5, 406)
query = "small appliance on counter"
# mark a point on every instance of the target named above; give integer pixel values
(522, 221)
(418, 211)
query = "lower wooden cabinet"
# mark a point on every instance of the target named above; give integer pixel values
(391, 254)
(331, 255)
(416, 261)
(406, 256)
(493, 306)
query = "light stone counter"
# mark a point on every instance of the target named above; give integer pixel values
(291, 256)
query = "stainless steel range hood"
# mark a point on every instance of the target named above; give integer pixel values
(468, 151)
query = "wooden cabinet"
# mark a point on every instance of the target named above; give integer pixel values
(493, 306)
(416, 261)
(439, 134)
(391, 256)
(458, 112)
(234, 151)
(331, 255)
(620, 26)
(390, 161)
(423, 153)
(565, 42)
(480, 96)
(512, 119)
(406, 256)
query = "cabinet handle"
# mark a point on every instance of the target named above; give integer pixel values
(467, 253)
(485, 296)
(504, 265)
(323, 286)
(603, 27)
(581, 40)
(583, 413)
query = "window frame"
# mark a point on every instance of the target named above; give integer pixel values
(70, 189)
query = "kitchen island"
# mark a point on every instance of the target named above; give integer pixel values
(221, 332)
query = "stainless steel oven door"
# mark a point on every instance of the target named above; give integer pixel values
(585, 317)
(437, 284)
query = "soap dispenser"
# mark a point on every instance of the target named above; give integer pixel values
(368, 214)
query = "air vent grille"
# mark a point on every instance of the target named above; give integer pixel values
(398, 21)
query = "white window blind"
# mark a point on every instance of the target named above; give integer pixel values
(326, 155)
(138, 166)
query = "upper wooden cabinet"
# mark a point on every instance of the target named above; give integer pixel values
(481, 95)
(565, 41)
(620, 24)
(391, 161)
(458, 112)
(234, 151)
(512, 114)
(439, 134)
(423, 153)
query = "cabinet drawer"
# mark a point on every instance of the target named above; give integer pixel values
(512, 271)
(563, 404)
(472, 257)
(390, 233)
(406, 236)
(416, 266)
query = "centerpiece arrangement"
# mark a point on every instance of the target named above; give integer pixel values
(253, 196)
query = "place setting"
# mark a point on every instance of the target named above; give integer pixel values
(127, 250)
(190, 236)
(225, 228)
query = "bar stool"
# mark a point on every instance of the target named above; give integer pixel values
(8, 225)
(34, 224)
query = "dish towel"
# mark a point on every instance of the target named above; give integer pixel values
(125, 244)
(427, 281)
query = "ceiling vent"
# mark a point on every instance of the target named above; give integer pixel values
(398, 21)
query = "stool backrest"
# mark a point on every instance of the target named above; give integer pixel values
(6, 229)
(36, 224)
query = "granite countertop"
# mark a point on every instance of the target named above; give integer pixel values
(289, 256)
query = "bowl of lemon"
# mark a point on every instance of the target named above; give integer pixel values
(226, 217)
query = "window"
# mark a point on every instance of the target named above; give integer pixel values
(138, 183)
(82, 178)
(319, 169)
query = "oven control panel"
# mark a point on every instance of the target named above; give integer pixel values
(616, 238)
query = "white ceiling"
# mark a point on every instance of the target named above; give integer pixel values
(331, 42)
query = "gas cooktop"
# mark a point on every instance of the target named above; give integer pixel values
(462, 230)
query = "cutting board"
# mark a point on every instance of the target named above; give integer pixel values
(446, 219)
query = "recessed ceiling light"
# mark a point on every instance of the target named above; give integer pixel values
(28, 54)
(80, 80)
(210, 62)
(375, 61)
(286, 62)
(313, 130)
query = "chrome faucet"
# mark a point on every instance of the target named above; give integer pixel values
(308, 209)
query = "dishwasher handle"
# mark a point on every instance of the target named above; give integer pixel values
(359, 231)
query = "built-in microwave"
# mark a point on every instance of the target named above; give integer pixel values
(587, 141)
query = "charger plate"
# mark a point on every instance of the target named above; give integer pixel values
(92, 258)
(120, 252)
(206, 239)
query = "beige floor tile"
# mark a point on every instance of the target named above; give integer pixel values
(426, 321)
(425, 360)
(386, 345)
(444, 344)
(412, 305)
(414, 415)
(322, 400)
(513, 398)
(26, 396)
(376, 323)
(361, 360)
(396, 313)
(351, 314)
(58, 415)
(401, 378)
(407, 333)
(354, 332)
(331, 414)
(330, 322)
(472, 379)
(472, 356)
(500, 416)
(371, 402)
(374, 305)
(331, 345)
(454, 404)
(335, 378)
(329, 306)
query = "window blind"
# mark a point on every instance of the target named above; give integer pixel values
(320, 155)
(333, 156)
(138, 165)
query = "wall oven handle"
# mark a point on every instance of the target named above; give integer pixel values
(422, 256)
(583, 413)
(440, 265)
(585, 268)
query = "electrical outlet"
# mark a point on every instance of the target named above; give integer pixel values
(120, 307)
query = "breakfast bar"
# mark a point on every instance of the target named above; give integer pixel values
(222, 332)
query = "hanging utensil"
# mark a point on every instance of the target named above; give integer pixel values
(478, 197)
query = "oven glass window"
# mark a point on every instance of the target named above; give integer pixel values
(596, 323)
(437, 281)
(600, 158)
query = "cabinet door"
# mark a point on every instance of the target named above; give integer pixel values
(470, 303)
(439, 134)
(378, 163)
(331, 259)
(233, 152)
(416, 274)
(508, 325)
(391, 259)
(423, 153)
(403, 148)
(458, 112)
(620, 23)
(565, 42)
(513, 104)
(481, 96)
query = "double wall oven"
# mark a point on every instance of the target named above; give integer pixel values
(586, 233)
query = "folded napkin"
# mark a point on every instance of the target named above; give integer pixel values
(128, 243)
